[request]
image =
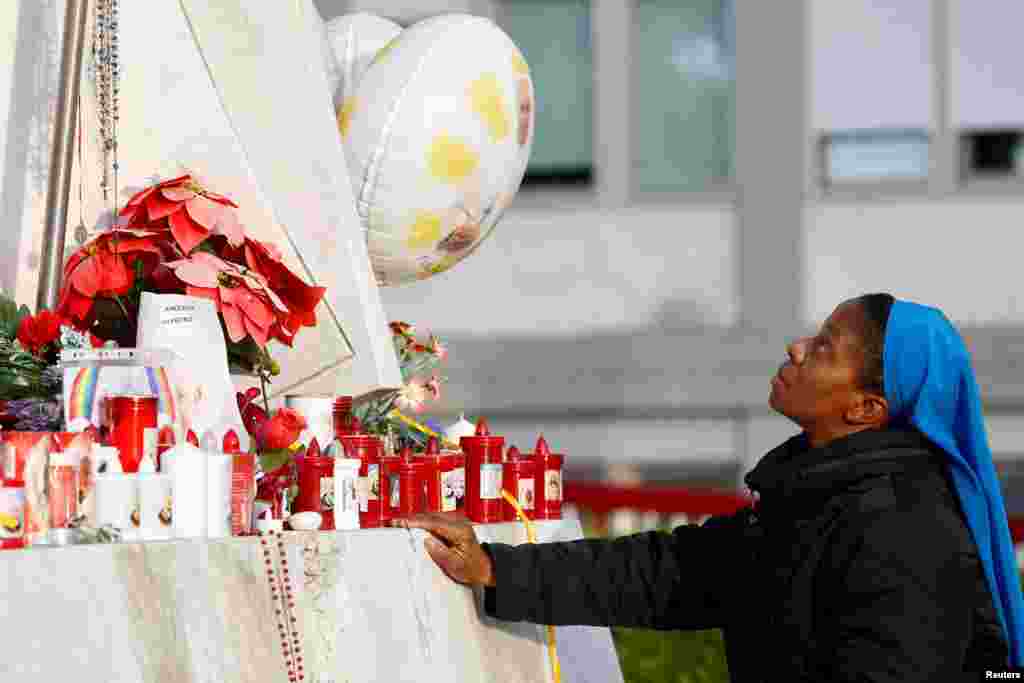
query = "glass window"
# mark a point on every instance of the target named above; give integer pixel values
(683, 94)
(991, 153)
(554, 37)
(987, 87)
(871, 88)
(875, 155)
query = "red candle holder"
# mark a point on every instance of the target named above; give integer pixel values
(64, 476)
(483, 474)
(518, 478)
(548, 481)
(342, 412)
(436, 478)
(367, 449)
(413, 493)
(18, 447)
(133, 429)
(243, 492)
(316, 485)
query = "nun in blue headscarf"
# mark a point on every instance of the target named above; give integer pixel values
(877, 549)
(931, 386)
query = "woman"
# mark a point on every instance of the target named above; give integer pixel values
(877, 550)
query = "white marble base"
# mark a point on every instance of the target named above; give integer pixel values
(372, 606)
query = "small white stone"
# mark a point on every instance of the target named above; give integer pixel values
(306, 521)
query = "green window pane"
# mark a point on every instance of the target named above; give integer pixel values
(683, 94)
(554, 37)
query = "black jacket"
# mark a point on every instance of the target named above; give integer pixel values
(855, 564)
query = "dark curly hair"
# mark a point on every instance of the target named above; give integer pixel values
(876, 315)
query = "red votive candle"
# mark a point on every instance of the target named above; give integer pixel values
(412, 496)
(243, 485)
(133, 429)
(548, 481)
(316, 485)
(483, 474)
(230, 445)
(342, 413)
(367, 449)
(436, 476)
(518, 479)
(63, 472)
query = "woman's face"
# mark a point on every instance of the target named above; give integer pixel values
(820, 381)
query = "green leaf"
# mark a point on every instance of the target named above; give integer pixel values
(11, 316)
(272, 460)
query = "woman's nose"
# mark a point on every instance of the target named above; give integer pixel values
(796, 350)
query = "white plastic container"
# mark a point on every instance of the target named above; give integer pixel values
(189, 473)
(155, 506)
(218, 489)
(117, 504)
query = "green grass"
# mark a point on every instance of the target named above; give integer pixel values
(671, 657)
(667, 656)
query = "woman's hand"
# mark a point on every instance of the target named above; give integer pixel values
(453, 546)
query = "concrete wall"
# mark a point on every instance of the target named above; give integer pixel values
(961, 254)
(560, 272)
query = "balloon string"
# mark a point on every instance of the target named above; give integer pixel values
(531, 536)
(421, 428)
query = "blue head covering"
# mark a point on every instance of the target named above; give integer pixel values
(929, 382)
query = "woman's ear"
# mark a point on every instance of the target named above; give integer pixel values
(868, 410)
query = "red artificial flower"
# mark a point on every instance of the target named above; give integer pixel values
(300, 298)
(282, 430)
(253, 416)
(272, 483)
(38, 331)
(185, 207)
(105, 268)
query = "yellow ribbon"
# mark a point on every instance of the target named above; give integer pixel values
(531, 536)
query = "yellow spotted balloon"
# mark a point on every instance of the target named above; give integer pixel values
(437, 127)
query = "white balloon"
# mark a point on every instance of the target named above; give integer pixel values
(353, 41)
(437, 134)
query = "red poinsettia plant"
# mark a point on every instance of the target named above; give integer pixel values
(180, 237)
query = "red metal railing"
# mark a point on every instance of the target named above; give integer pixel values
(604, 498)
(601, 499)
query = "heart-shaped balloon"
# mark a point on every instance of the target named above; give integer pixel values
(352, 42)
(437, 128)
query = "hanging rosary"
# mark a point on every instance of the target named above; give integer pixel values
(107, 81)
